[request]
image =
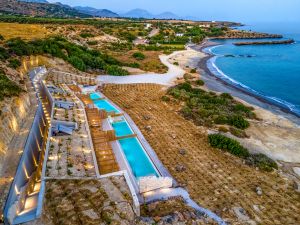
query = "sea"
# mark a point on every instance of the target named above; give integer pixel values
(271, 72)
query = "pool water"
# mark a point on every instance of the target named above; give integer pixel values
(95, 96)
(139, 162)
(104, 104)
(122, 128)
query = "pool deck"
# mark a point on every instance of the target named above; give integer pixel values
(147, 147)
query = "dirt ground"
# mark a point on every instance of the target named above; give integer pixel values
(214, 179)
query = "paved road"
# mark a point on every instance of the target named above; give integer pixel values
(163, 79)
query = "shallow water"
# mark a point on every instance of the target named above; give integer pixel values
(271, 71)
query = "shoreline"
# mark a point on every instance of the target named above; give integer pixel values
(215, 83)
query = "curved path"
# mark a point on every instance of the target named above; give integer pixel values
(163, 79)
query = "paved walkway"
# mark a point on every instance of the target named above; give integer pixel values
(163, 79)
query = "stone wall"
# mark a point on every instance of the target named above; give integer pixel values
(12, 116)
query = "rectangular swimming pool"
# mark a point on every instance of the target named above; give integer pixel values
(122, 128)
(139, 162)
(95, 96)
(104, 104)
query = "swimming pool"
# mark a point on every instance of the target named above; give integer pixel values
(122, 128)
(139, 162)
(104, 104)
(95, 96)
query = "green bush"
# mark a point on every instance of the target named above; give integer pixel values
(261, 161)
(3, 54)
(115, 70)
(86, 35)
(138, 56)
(77, 63)
(8, 88)
(193, 71)
(92, 42)
(200, 82)
(228, 144)
(14, 63)
(165, 98)
(1, 38)
(226, 95)
(238, 121)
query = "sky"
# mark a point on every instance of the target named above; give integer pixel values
(230, 10)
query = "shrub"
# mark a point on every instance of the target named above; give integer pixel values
(14, 63)
(226, 95)
(238, 133)
(8, 88)
(134, 65)
(262, 162)
(1, 38)
(193, 71)
(165, 98)
(187, 76)
(86, 35)
(3, 54)
(238, 121)
(138, 55)
(77, 63)
(176, 63)
(115, 70)
(228, 144)
(92, 42)
(223, 129)
(200, 82)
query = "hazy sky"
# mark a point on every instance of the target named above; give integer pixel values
(234, 10)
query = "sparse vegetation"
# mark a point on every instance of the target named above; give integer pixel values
(80, 57)
(207, 108)
(14, 63)
(8, 88)
(232, 146)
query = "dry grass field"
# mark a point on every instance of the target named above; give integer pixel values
(24, 31)
(214, 179)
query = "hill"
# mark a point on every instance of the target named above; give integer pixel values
(36, 1)
(141, 13)
(96, 12)
(39, 9)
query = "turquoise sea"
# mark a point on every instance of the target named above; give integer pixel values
(269, 71)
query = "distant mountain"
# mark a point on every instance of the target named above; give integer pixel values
(141, 13)
(39, 9)
(167, 15)
(138, 13)
(96, 12)
(35, 1)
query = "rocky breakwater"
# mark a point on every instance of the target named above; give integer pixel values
(290, 41)
(241, 34)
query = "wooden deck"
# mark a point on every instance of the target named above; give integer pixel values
(104, 153)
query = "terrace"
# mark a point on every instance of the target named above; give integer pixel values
(70, 153)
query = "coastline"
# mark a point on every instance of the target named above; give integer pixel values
(215, 83)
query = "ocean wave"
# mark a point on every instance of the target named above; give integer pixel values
(211, 64)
